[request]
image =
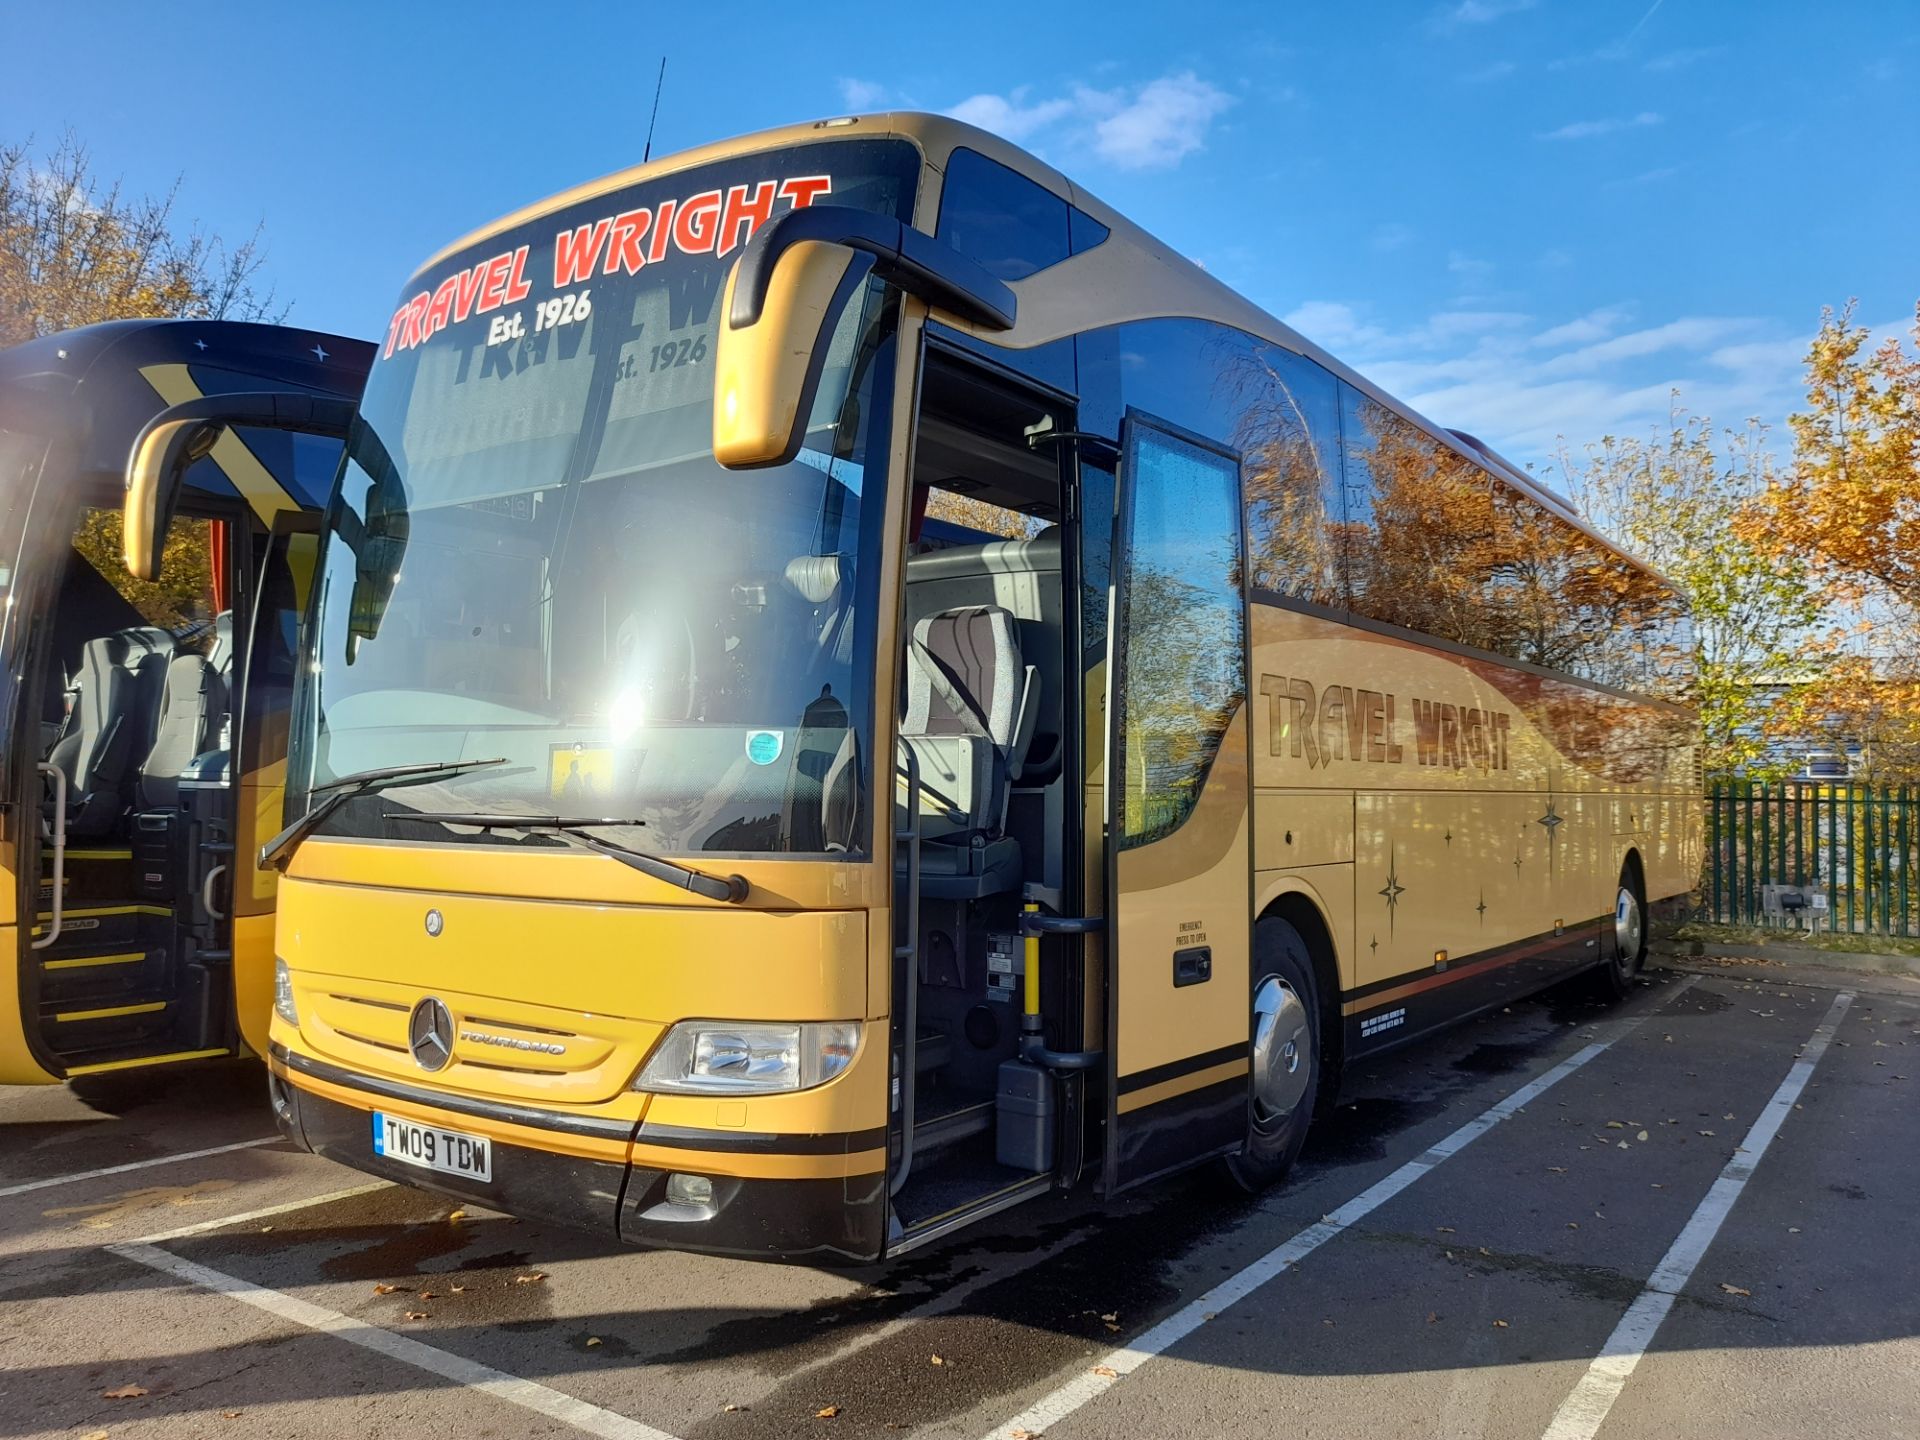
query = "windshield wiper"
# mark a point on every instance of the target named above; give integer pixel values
(277, 853)
(731, 888)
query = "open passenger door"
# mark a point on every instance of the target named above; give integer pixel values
(1178, 809)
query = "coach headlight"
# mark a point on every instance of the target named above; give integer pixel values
(283, 1005)
(712, 1057)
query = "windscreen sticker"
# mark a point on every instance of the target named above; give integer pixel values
(763, 746)
(710, 223)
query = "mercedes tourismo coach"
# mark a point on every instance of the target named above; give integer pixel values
(143, 721)
(849, 687)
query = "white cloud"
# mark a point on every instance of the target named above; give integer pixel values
(1332, 324)
(1481, 12)
(859, 95)
(1009, 115)
(1144, 127)
(1467, 267)
(1165, 122)
(1693, 332)
(1588, 129)
(1594, 325)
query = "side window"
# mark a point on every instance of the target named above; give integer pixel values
(1428, 545)
(191, 589)
(1289, 438)
(1182, 647)
(1002, 219)
(982, 515)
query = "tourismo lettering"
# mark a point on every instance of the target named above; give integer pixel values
(713, 222)
(1322, 724)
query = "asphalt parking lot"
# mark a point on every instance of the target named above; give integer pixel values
(1696, 1214)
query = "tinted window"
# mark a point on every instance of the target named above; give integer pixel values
(1002, 219)
(1439, 545)
(1182, 668)
(1289, 440)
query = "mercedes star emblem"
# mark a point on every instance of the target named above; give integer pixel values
(430, 1034)
(436, 922)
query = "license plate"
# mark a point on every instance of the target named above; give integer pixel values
(431, 1148)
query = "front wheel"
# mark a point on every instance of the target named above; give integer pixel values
(1287, 1054)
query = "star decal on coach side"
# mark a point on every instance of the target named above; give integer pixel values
(1393, 889)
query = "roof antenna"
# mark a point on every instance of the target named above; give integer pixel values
(658, 86)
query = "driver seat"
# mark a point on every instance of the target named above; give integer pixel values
(971, 704)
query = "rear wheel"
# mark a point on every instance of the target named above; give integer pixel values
(1286, 1055)
(1616, 977)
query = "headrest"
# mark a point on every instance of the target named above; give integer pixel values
(814, 577)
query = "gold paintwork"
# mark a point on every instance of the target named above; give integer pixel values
(761, 398)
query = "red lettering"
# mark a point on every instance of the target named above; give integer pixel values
(697, 223)
(393, 329)
(575, 253)
(662, 232)
(469, 287)
(416, 312)
(803, 190)
(442, 303)
(741, 211)
(493, 286)
(517, 286)
(623, 250)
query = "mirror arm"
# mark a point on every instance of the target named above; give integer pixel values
(919, 264)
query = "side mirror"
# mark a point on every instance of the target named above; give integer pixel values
(786, 293)
(174, 439)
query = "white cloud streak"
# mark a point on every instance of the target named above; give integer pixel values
(1147, 127)
(1590, 129)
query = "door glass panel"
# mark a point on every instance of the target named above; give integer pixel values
(1183, 662)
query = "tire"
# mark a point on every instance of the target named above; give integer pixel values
(1287, 1056)
(1614, 980)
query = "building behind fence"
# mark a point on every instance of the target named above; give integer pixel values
(1812, 855)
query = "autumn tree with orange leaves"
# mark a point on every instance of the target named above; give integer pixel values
(76, 249)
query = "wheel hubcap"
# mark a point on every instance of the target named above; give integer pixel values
(1282, 1050)
(1626, 926)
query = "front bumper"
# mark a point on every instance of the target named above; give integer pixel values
(582, 1173)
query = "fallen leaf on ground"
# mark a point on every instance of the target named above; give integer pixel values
(1444, 1229)
(94, 1435)
(229, 1414)
(1433, 1317)
(593, 1340)
(1486, 1252)
(1021, 1435)
(1735, 1290)
(1573, 1224)
(1557, 1169)
(826, 1412)
(457, 1215)
(1642, 1136)
(1793, 1229)
(456, 1289)
(124, 1392)
(1106, 1372)
(1501, 1325)
(1624, 1145)
(266, 1229)
(938, 1361)
(1210, 1315)
(418, 1315)
(1111, 1315)
(1615, 1125)
(1113, 1328)
(529, 1279)
(385, 1289)
(1707, 1133)
(428, 1295)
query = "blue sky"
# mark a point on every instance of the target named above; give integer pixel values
(1531, 218)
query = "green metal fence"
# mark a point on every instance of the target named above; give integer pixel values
(1809, 855)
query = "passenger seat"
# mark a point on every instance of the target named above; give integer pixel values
(971, 705)
(117, 694)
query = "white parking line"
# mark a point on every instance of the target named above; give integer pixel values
(1119, 1364)
(221, 1222)
(1583, 1412)
(527, 1394)
(6, 1190)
